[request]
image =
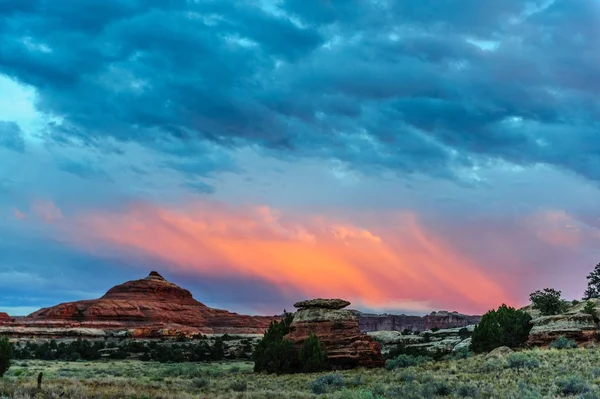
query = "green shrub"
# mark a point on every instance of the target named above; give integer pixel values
(547, 301)
(521, 360)
(6, 353)
(436, 388)
(590, 308)
(403, 361)
(239, 386)
(593, 288)
(464, 333)
(312, 356)
(563, 343)
(200, 382)
(572, 386)
(274, 354)
(467, 391)
(503, 327)
(462, 353)
(493, 364)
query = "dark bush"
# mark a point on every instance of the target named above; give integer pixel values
(503, 327)
(522, 360)
(274, 354)
(563, 343)
(590, 308)
(572, 386)
(239, 386)
(403, 361)
(201, 382)
(312, 356)
(547, 301)
(326, 383)
(593, 288)
(6, 354)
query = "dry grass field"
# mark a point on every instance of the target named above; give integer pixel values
(573, 373)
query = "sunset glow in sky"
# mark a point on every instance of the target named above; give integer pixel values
(407, 156)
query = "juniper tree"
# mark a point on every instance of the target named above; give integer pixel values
(593, 288)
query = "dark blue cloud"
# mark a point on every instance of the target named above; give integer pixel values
(11, 136)
(414, 86)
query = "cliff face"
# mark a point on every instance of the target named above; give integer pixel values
(387, 322)
(148, 307)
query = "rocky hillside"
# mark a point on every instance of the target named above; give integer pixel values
(150, 307)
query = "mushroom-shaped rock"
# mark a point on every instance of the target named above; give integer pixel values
(322, 304)
(338, 331)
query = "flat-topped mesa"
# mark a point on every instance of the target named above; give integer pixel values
(338, 331)
(321, 303)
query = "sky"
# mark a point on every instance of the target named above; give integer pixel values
(407, 156)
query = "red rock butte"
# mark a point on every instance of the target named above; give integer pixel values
(148, 307)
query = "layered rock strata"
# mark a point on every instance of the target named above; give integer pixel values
(148, 308)
(388, 322)
(339, 333)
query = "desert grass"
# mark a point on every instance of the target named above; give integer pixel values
(572, 373)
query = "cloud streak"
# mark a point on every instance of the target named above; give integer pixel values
(400, 263)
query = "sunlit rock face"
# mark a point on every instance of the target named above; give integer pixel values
(149, 307)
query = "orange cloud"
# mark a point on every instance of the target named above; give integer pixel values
(400, 265)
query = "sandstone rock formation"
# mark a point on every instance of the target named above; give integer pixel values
(444, 341)
(322, 304)
(4, 318)
(573, 324)
(150, 307)
(388, 322)
(339, 332)
(579, 327)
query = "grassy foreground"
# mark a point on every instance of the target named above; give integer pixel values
(571, 373)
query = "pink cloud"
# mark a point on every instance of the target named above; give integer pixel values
(398, 263)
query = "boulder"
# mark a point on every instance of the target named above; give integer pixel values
(339, 333)
(320, 303)
(579, 327)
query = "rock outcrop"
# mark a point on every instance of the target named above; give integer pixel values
(579, 327)
(339, 333)
(388, 322)
(573, 324)
(4, 318)
(148, 308)
(443, 341)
